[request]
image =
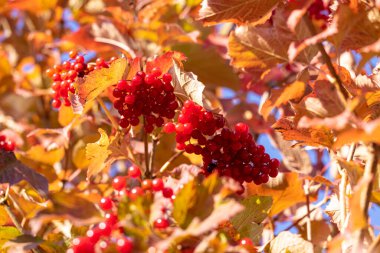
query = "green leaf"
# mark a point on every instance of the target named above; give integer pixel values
(255, 211)
(8, 233)
(208, 65)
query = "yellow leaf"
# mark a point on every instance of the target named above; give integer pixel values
(39, 154)
(97, 154)
(287, 192)
(65, 115)
(281, 96)
(97, 81)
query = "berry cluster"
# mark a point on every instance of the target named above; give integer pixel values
(7, 145)
(235, 154)
(64, 76)
(147, 95)
(109, 236)
(195, 125)
(231, 153)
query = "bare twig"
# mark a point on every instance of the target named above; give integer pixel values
(326, 58)
(148, 173)
(118, 44)
(171, 159)
(308, 220)
(375, 246)
(155, 141)
(108, 113)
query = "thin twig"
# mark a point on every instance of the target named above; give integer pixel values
(148, 173)
(118, 44)
(108, 113)
(13, 217)
(295, 223)
(153, 153)
(171, 159)
(326, 57)
(369, 172)
(308, 220)
(375, 246)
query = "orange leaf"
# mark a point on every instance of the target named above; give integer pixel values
(165, 61)
(286, 190)
(237, 11)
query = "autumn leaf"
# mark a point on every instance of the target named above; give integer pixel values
(8, 233)
(208, 65)
(165, 62)
(92, 85)
(305, 136)
(13, 171)
(281, 96)
(186, 84)
(237, 11)
(289, 242)
(97, 153)
(288, 192)
(39, 154)
(256, 209)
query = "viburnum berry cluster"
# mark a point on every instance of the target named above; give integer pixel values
(7, 145)
(149, 95)
(65, 74)
(230, 153)
(109, 235)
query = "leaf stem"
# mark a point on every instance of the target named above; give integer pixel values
(148, 173)
(308, 220)
(326, 57)
(171, 159)
(13, 217)
(153, 153)
(108, 113)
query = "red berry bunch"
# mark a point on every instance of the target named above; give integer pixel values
(195, 125)
(64, 76)
(149, 95)
(235, 154)
(7, 145)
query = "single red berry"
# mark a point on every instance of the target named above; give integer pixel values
(124, 245)
(111, 219)
(82, 244)
(134, 171)
(79, 59)
(273, 172)
(94, 234)
(105, 229)
(156, 72)
(167, 78)
(157, 184)
(136, 192)
(9, 146)
(161, 223)
(146, 184)
(167, 192)
(169, 127)
(56, 103)
(241, 128)
(245, 242)
(105, 203)
(150, 79)
(118, 183)
(73, 54)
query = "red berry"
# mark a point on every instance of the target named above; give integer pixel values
(146, 184)
(73, 54)
(157, 184)
(105, 229)
(169, 127)
(111, 219)
(241, 128)
(150, 79)
(105, 203)
(245, 242)
(136, 192)
(118, 183)
(167, 78)
(122, 85)
(156, 72)
(94, 234)
(134, 171)
(161, 223)
(124, 245)
(82, 244)
(167, 192)
(56, 103)
(79, 59)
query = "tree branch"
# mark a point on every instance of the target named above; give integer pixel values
(171, 159)
(326, 57)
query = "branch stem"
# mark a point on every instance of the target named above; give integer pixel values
(153, 153)
(148, 173)
(108, 113)
(326, 57)
(171, 159)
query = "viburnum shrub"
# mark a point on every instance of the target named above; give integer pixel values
(189, 126)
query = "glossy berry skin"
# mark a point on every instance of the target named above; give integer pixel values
(169, 128)
(94, 234)
(105, 204)
(146, 184)
(6, 145)
(124, 245)
(136, 192)
(134, 171)
(161, 223)
(82, 244)
(245, 242)
(119, 183)
(111, 219)
(157, 184)
(167, 192)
